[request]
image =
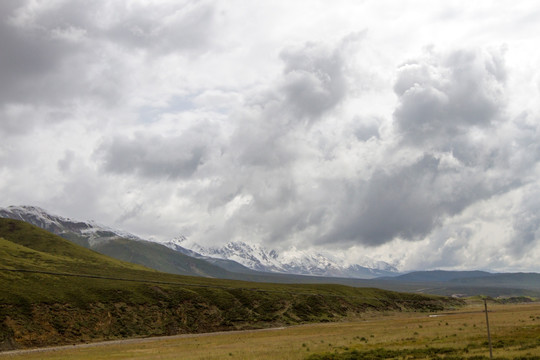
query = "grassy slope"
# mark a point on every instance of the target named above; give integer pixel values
(151, 255)
(38, 249)
(157, 256)
(42, 309)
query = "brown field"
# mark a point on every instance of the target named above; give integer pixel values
(515, 331)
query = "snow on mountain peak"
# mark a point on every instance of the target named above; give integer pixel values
(292, 261)
(59, 224)
(180, 240)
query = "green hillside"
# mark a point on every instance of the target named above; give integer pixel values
(158, 257)
(33, 248)
(149, 254)
(56, 292)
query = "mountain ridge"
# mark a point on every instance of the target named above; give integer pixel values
(58, 224)
(239, 257)
(115, 243)
(259, 258)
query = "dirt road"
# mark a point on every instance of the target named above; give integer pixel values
(132, 341)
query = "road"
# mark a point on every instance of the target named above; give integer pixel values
(132, 341)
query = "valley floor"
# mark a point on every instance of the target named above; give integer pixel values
(460, 334)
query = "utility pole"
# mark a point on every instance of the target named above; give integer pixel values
(489, 335)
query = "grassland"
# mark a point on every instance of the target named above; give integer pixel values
(55, 292)
(373, 335)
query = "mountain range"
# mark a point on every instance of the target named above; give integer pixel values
(247, 262)
(293, 261)
(234, 256)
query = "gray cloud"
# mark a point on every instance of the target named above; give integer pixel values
(407, 203)
(443, 97)
(526, 223)
(66, 162)
(166, 27)
(152, 156)
(158, 156)
(437, 115)
(29, 55)
(269, 142)
(130, 213)
(365, 129)
(314, 81)
(259, 142)
(443, 102)
(22, 119)
(68, 53)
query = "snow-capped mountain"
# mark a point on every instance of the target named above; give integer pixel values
(292, 261)
(235, 256)
(59, 225)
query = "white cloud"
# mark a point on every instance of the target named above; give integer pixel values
(376, 127)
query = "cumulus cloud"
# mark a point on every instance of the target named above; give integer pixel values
(158, 156)
(314, 81)
(443, 103)
(64, 53)
(406, 203)
(525, 222)
(28, 56)
(443, 96)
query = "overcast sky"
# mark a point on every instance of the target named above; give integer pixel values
(406, 131)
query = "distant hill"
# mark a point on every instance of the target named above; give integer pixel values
(56, 292)
(523, 280)
(464, 283)
(436, 276)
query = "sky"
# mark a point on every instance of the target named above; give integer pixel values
(405, 131)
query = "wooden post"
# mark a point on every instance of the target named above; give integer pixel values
(489, 335)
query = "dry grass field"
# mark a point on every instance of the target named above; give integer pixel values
(453, 335)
